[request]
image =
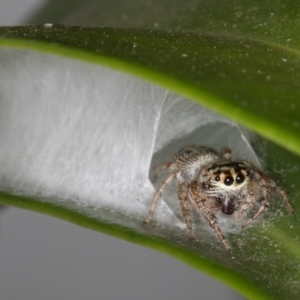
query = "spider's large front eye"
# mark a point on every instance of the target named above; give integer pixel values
(217, 178)
(240, 178)
(229, 180)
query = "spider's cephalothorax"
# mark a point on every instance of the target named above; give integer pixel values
(227, 182)
(210, 182)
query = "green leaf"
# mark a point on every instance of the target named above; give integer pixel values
(239, 59)
(236, 77)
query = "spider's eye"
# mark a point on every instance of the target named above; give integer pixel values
(217, 178)
(229, 180)
(240, 178)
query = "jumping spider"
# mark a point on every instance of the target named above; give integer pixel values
(210, 182)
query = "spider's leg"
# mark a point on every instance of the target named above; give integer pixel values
(160, 168)
(226, 153)
(260, 211)
(263, 207)
(283, 195)
(265, 203)
(183, 197)
(167, 180)
(212, 221)
(207, 213)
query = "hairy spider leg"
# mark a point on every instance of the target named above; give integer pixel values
(261, 210)
(284, 197)
(266, 199)
(207, 213)
(250, 201)
(262, 183)
(183, 197)
(159, 168)
(226, 153)
(167, 180)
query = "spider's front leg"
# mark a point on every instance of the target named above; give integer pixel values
(263, 207)
(199, 201)
(259, 191)
(264, 185)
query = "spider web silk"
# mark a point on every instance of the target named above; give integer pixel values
(76, 131)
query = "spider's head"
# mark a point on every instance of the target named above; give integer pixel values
(227, 181)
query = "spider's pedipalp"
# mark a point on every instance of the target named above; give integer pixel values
(245, 206)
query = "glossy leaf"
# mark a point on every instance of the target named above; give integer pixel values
(236, 77)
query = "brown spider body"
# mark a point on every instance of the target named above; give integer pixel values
(211, 182)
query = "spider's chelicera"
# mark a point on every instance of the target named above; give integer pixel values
(209, 182)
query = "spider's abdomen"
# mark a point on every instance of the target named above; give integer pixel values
(190, 160)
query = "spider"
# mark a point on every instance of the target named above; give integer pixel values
(210, 182)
